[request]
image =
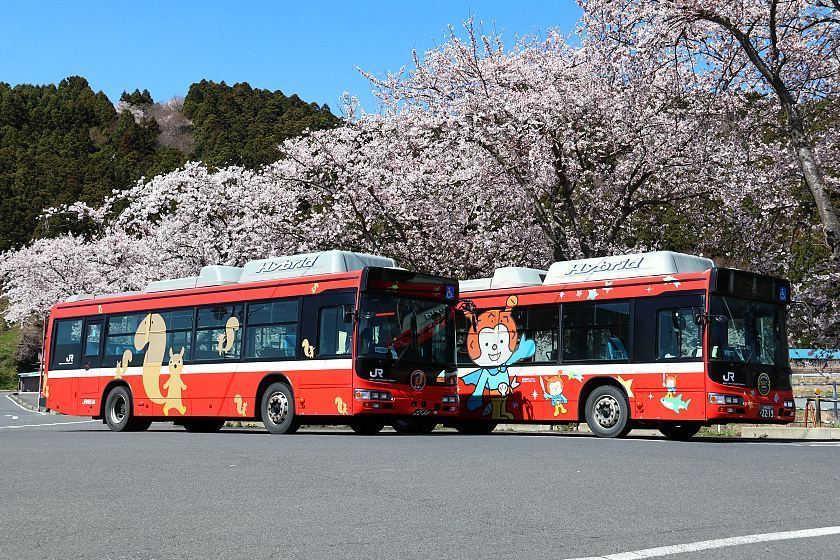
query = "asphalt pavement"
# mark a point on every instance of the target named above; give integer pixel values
(76, 490)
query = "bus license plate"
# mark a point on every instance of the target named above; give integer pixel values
(767, 412)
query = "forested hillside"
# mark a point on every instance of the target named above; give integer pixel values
(65, 143)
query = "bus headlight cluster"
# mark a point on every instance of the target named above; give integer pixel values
(717, 398)
(362, 395)
(449, 399)
(789, 403)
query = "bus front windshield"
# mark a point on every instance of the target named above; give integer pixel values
(406, 329)
(747, 331)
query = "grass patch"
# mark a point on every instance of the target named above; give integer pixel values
(8, 367)
(730, 430)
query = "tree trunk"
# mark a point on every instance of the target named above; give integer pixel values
(815, 180)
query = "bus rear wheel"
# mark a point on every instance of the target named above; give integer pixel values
(367, 427)
(475, 427)
(278, 409)
(119, 415)
(679, 432)
(414, 426)
(203, 426)
(607, 412)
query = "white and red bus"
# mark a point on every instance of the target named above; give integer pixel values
(328, 338)
(659, 339)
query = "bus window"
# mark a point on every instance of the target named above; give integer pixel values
(179, 324)
(218, 333)
(67, 345)
(93, 336)
(461, 327)
(119, 337)
(541, 325)
(335, 335)
(597, 331)
(272, 330)
(677, 334)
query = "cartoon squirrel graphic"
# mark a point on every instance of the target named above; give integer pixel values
(492, 345)
(174, 384)
(241, 406)
(341, 406)
(555, 393)
(224, 342)
(122, 365)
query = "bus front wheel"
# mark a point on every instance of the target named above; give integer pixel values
(278, 409)
(607, 412)
(679, 432)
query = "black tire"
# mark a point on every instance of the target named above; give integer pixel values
(278, 409)
(608, 412)
(414, 426)
(679, 432)
(367, 427)
(118, 410)
(475, 427)
(203, 426)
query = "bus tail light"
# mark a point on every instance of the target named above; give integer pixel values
(364, 395)
(717, 398)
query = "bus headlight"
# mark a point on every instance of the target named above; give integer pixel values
(449, 399)
(717, 398)
(789, 403)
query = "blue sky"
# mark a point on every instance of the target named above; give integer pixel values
(306, 47)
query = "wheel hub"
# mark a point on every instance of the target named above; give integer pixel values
(607, 411)
(278, 408)
(118, 410)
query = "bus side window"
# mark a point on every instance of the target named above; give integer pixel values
(93, 336)
(541, 325)
(217, 335)
(599, 331)
(119, 337)
(335, 334)
(272, 330)
(677, 334)
(461, 328)
(67, 344)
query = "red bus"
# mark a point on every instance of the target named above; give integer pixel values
(328, 338)
(659, 339)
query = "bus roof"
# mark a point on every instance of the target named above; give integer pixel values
(273, 268)
(658, 263)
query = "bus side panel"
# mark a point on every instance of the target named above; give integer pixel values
(327, 392)
(551, 394)
(64, 395)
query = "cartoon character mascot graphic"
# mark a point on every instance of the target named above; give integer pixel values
(554, 393)
(492, 345)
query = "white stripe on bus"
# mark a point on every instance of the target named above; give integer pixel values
(525, 370)
(232, 367)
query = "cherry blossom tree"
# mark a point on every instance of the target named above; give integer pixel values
(589, 138)
(785, 49)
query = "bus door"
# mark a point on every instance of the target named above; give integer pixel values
(92, 340)
(327, 341)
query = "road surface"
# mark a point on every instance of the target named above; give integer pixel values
(76, 490)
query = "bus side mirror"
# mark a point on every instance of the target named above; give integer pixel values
(704, 318)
